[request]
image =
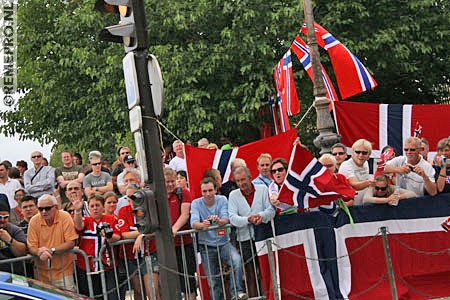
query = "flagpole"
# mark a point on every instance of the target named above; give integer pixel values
(327, 137)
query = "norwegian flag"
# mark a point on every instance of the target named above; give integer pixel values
(309, 184)
(273, 113)
(282, 107)
(302, 51)
(351, 75)
(289, 95)
(418, 130)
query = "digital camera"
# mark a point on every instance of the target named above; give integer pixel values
(106, 228)
(212, 221)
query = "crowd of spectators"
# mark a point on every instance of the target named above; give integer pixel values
(46, 211)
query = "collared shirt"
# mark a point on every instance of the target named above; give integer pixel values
(262, 180)
(9, 188)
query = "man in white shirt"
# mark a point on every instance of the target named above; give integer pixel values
(179, 161)
(39, 180)
(8, 186)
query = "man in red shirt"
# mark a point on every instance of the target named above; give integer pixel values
(180, 205)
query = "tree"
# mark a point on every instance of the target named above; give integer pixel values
(216, 58)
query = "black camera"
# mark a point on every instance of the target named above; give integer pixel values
(212, 221)
(445, 162)
(411, 168)
(106, 228)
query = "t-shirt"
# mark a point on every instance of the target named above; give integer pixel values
(127, 222)
(412, 181)
(9, 189)
(175, 212)
(91, 242)
(5, 251)
(68, 174)
(349, 169)
(96, 181)
(178, 164)
(200, 212)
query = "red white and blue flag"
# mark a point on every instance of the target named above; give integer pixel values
(282, 107)
(289, 92)
(309, 184)
(199, 160)
(302, 51)
(351, 75)
(391, 124)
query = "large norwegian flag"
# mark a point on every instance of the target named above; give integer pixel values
(391, 124)
(302, 51)
(309, 184)
(198, 160)
(351, 75)
(282, 107)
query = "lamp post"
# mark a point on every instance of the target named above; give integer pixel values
(327, 137)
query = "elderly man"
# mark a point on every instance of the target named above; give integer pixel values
(51, 233)
(231, 185)
(69, 171)
(178, 162)
(129, 176)
(249, 205)
(203, 143)
(263, 162)
(12, 239)
(414, 173)
(214, 244)
(74, 193)
(8, 186)
(356, 169)
(97, 182)
(39, 180)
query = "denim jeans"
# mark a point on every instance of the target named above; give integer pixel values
(211, 261)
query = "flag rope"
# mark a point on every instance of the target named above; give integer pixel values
(304, 116)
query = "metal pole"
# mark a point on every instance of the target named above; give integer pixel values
(325, 124)
(273, 276)
(387, 253)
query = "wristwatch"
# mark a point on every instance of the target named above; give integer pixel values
(10, 242)
(53, 250)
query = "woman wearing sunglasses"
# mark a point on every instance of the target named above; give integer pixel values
(278, 169)
(383, 192)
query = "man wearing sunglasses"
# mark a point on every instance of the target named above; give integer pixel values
(414, 173)
(356, 169)
(12, 239)
(39, 180)
(97, 182)
(50, 234)
(339, 151)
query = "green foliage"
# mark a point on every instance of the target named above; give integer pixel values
(216, 58)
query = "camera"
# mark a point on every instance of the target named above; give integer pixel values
(445, 161)
(212, 221)
(411, 168)
(106, 228)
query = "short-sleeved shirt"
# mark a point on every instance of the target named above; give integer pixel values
(447, 179)
(178, 164)
(68, 174)
(175, 212)
(9, 189)
(91, 242)
(41, 235)
(412, 181)
(96, 181)
(127, 222)
(349, 169)
(200, 212)
(5, 251)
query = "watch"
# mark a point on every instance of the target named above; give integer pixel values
(53, 250)
(10, 242)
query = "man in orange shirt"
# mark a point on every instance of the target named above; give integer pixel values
(50, 233)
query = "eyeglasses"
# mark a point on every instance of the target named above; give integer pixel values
(130, 162)
(96, 164)
(338, 153)
(381, 188)
(279, 170)
(76, 188)
(123, 153)
(46, 208)
(361, 152)
(409, 149)
(36, 156)
(4, 217)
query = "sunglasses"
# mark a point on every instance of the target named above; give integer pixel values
(382, 188)
(36, 156)
(71, 211)
(96, 164)
(123, 153)
(273, 171)
(46, 208)
(409, 149)
(338, 153)
(73, 189)
(328, 165)
(361, 152)
(4, 217)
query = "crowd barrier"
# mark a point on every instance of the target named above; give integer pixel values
(389, 252)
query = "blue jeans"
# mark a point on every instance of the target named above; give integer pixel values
(211, 260)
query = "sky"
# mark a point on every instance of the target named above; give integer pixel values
(12, 149)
